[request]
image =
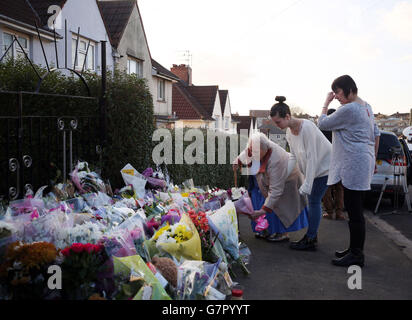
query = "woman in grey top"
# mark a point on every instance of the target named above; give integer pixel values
(354, 149)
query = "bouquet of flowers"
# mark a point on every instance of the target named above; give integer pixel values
(244, 206)
(138, 281)
(89, 232)
(224, 223)
(194, 280)
(80, 268)
(85, 180)
(179, 240)
(154, 181)
(176, 233)
(201, 223)
(24, 269)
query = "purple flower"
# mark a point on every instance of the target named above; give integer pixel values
(171, 218)
(148, 172)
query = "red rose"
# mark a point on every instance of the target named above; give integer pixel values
(77, 247)
(88, 247)
(65, 252)
(97, 248)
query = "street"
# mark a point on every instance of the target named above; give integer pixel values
(278, 272)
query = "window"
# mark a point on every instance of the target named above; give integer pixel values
(82, 52)
(227, 123)
(16, 50)
(217, 122)
(161, 90)
(135, 66)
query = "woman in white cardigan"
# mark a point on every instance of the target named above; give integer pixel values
(312, 152)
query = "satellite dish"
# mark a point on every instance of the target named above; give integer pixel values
(407, 132)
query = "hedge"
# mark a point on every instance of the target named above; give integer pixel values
(204, 174)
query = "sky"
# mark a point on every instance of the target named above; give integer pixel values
(295, 48)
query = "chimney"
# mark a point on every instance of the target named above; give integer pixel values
(184, 72)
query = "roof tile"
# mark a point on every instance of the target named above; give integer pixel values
(116, 15)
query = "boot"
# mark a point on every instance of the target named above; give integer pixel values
(354, 257)
(305, 244)
(341, 254)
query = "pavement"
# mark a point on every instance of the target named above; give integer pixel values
(279, 273)
(401, 220)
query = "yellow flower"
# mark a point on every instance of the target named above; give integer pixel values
(182, 234)
(161, 231)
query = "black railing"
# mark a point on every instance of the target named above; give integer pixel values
(41, 149)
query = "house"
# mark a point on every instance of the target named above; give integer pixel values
(403, 116)
(86, 16)
(163, 81)
(228, 124)
(274, 133)
(395, 125)
(265, 125)
(19, 17)
(127, 36)
(201, 106)
(243, 123)
(131, 54)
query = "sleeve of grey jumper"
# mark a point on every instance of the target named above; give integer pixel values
(338, 120)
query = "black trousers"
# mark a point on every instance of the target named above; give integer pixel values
(354, 205)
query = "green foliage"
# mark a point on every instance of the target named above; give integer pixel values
(130, 123)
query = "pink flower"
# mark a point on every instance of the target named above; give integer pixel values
(135, 234)
(35, 214)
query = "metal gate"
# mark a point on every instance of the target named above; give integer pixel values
(41, 147)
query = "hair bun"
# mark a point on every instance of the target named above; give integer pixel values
(280, 99)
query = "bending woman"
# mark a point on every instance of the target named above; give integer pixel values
(274, 188)
(355, 146)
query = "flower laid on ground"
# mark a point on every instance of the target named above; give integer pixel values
(24, 269)
(199, 220)
(80, 268)
(201, 223)
(80, 247)
(30, 256)
(89, 232)
(176, 233)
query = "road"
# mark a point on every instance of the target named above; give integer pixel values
(281, 273)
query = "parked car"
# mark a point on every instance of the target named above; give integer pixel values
(389, 143)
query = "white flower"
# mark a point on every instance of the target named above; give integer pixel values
(7, 226)
(17, 265)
